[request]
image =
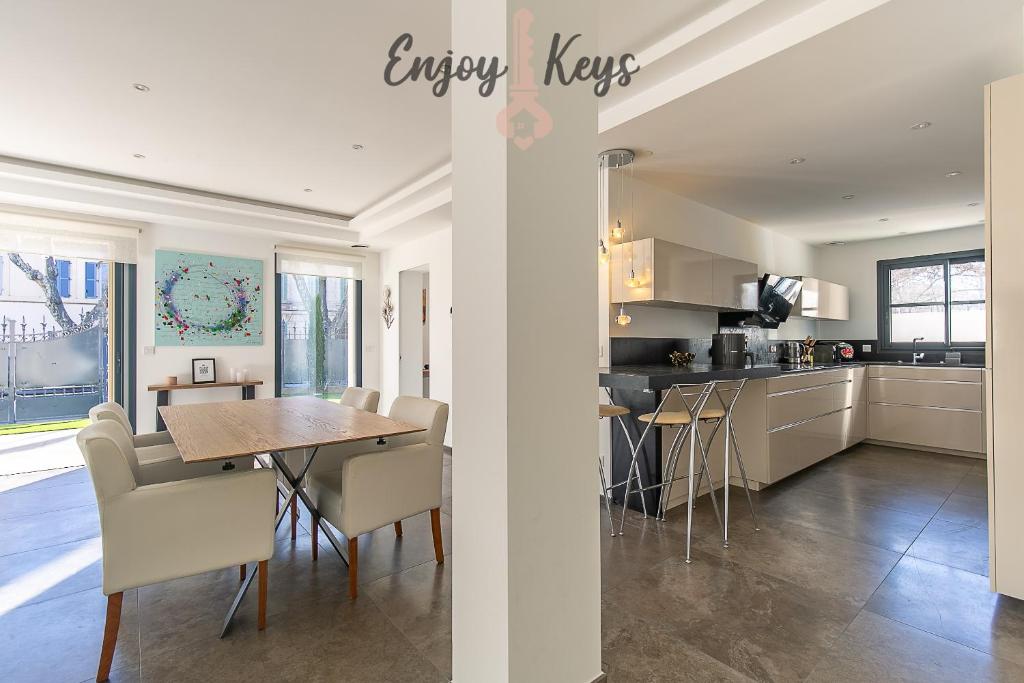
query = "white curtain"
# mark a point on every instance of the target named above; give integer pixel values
(304, 261)
(28, 231)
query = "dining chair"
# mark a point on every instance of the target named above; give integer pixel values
(111, 410)
(386, 484)
(158, 457)
(359, 398)
(159, 532)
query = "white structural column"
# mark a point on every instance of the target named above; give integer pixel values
(1004, 206)
(526, 575)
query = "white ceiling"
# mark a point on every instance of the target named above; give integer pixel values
(845, 100)
(252, 98)
(623, 28)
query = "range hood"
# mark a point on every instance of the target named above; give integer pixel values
(776, 295)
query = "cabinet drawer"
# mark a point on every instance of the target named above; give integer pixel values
(808, 379)
(941, 374)
(928, 394)
(793, 449)
(801, 404)
(961, 430)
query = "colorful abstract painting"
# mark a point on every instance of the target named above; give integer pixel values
(204, 300)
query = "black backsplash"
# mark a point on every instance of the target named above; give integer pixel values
(647, 351)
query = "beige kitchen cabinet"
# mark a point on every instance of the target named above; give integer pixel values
(927, 407)
(733, 283)
(675, 275)
(810, 417)
(822, 300)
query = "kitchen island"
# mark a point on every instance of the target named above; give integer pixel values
(825, 395)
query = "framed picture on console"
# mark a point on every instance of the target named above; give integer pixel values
(204, 370)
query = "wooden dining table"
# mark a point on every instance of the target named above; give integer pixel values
(205, 432)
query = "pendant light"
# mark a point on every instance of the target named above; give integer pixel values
(632, 281)
(603, 257)
(616, 159)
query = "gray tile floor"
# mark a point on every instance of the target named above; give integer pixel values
(868, 567)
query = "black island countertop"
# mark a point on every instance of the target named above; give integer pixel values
(658, 377)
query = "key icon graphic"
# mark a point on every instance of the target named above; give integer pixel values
(524, 120)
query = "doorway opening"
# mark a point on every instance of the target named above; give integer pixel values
(414, 332)
(61, 353)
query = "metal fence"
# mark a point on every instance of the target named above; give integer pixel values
(52, 375)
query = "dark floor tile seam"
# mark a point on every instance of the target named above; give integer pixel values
(52, 545)
(875, 505)
(69, 468)
(56, 597)
(902, 555)
(991, 655)
(37, 513)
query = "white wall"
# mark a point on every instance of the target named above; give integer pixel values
(668, 216)
(259, 360)
(855, 265)
(435, 251)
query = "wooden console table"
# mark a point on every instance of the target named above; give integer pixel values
(163, 394)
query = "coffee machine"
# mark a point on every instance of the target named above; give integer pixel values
(730, 349)
(791, 352)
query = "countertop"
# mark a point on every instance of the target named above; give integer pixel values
(658, 377)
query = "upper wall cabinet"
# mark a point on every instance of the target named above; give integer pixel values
(669, 274)
(822, 300)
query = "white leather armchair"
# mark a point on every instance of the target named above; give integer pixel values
(158, 457)
(384, 485)
(158, 532)
(329, 457)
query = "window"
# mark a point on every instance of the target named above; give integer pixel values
(64, 278)
(319, 335)
(940, 298)
(90, 280)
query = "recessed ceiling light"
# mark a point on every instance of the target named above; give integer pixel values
(308, 189)
(974, 204)
(883, 220)
(921, 126)
(139, 156)
(141, 87)
(954, 174)
(357, 147)
(797, 160)
(360, 246)
(849, 196)
(837, 243)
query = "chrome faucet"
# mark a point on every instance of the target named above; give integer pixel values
(917, 356)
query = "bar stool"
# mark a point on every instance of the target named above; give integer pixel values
(610, 410)
(726, 394)
(684, 421)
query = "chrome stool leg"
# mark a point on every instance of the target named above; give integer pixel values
(668, 471)
(705, 467)
(605, 493)
(639, 481)
(743, 475)
(689, 482)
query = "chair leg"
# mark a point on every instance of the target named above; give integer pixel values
(315, 533)
(110, 635)
(261, 619)
(435, 528)
(295, 516)
(241, 573)
(353, 567)
(398, 529)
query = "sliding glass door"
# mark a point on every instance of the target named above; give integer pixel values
(318, 335)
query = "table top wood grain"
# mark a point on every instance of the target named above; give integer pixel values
(232, 429)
